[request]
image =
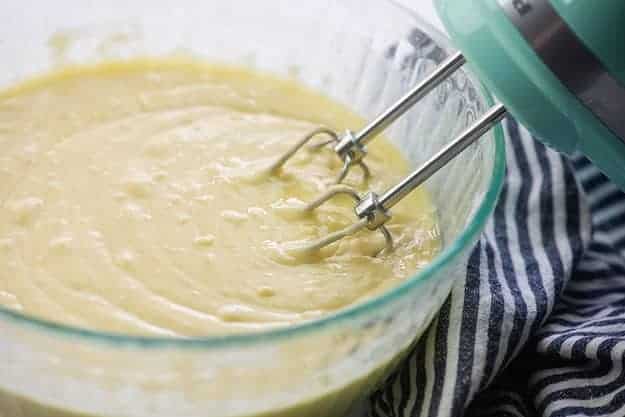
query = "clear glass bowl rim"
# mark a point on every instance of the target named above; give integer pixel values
(447, 256)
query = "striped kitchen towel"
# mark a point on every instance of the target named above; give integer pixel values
(537, 326)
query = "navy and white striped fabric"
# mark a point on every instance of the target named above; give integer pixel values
(537, 327)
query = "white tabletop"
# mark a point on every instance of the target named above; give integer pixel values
(426, 9)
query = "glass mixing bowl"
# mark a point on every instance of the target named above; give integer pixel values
(364, 55)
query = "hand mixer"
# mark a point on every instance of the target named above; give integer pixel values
(558, 66)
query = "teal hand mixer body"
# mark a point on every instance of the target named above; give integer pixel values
(558, 66)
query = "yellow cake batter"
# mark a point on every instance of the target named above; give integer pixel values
(133, 198)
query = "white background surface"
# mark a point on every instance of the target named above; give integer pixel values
(425, 8)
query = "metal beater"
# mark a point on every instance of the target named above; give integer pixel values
(557, 65)
(373, 209)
